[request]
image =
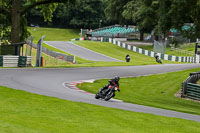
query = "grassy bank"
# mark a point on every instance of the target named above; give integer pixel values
(25, 112)
(154, 90)
(53, 34)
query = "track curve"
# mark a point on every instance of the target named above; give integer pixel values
(79, 51)
(49, 82)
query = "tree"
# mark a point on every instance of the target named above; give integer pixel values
(14, 11)
(4, 21)
(174, 14)
(142, 12)
(114, 10)
(85, 14)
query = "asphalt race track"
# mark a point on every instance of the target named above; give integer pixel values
(79, 51)
(50, 82)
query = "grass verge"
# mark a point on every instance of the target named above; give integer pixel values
(26, 112)
(154, 90)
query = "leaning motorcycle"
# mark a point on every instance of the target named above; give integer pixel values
(159, 60)
(108, 93)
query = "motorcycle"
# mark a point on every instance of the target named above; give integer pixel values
(108, 93)
(158, 59)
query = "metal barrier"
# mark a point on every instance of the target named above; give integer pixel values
(22, 61)
(193, 91)
(15, 61)
(1, 61)
(189, 87)
(10, 61)
(56, 54)
(181, 51)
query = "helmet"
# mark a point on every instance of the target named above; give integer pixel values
(117, 78)
(156, 56)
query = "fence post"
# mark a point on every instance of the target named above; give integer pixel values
(39, 53)
(1, 61)
(184, 88)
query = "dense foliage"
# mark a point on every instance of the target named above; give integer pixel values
(13, 12)
(83, 14)
(148, 15)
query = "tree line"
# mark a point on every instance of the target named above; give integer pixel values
(147, 15)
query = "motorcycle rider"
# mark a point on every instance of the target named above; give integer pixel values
(112, 82)
(128, 58)
(158, 59)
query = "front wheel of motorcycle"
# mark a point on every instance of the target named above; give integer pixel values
(109, 96)
(97, 96)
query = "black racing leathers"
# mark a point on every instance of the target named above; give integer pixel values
(111, 82)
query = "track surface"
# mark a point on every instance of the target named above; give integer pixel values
(50, 82)
(79, 51)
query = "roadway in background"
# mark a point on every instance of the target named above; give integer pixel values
(79, 51)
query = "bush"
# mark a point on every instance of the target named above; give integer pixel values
(174, 42)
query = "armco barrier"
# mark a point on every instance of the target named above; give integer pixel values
(10, 61)
(56, 54)
(193, 91)
(22, 61)
(1, 61)
(29, 61)
(189, 87)
(15, 61)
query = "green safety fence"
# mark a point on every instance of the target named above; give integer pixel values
(1, 61)
(189, 87)
(193, 91)
(22, 61)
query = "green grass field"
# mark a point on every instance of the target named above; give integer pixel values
(154, 90)
(26, 112)
(53, 34)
